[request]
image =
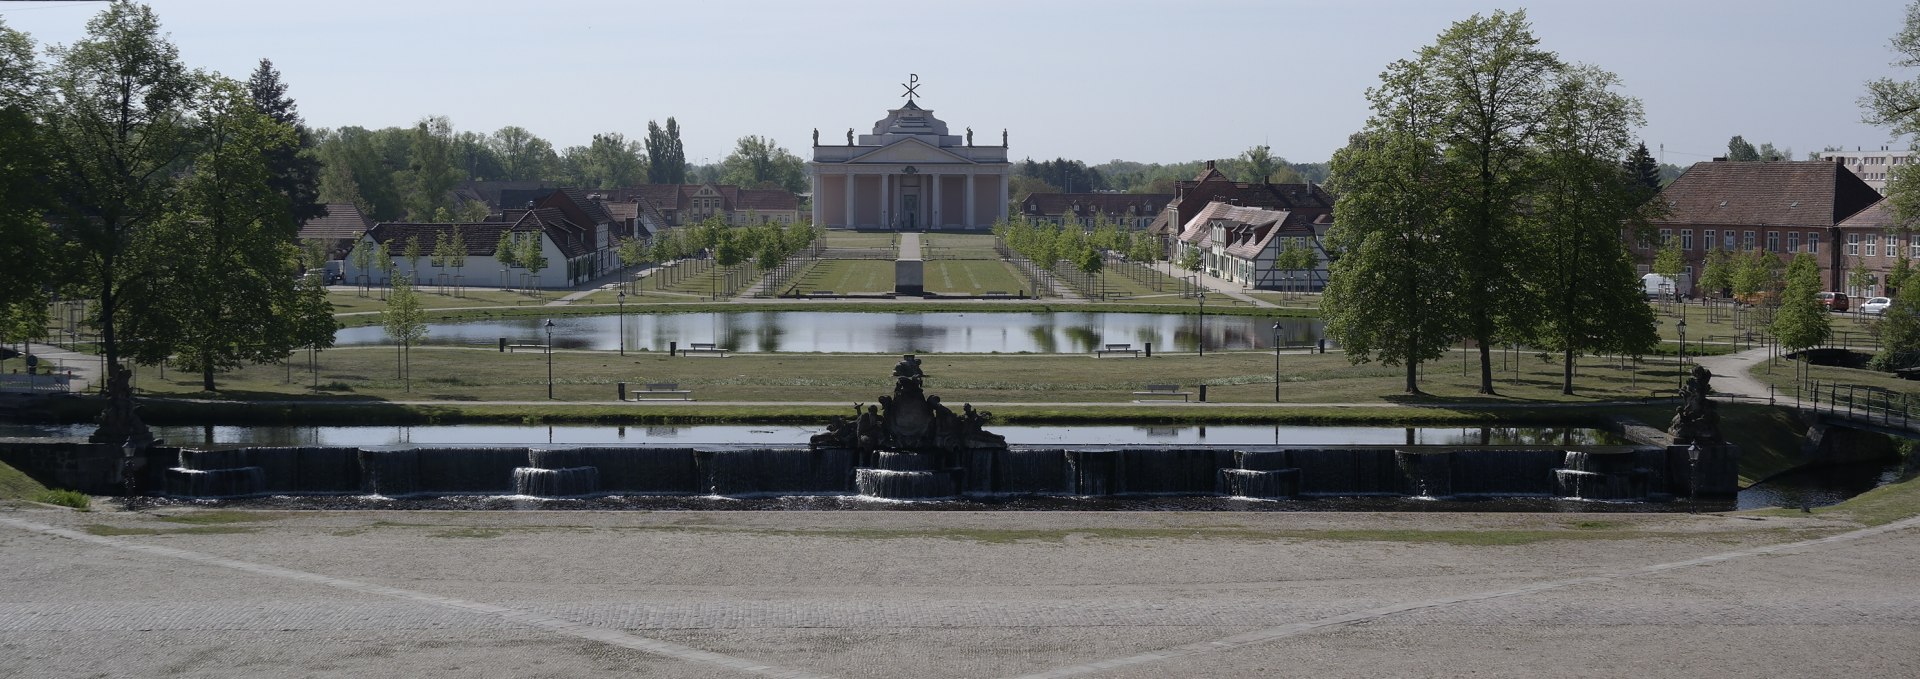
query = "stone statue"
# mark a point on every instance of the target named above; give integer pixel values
(816, 136)
(119, 423)
(969, 136)
(1696, 421)
(1003, 137)
(909, 421)
(849, 136)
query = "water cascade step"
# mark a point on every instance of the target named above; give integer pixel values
(1596, 476)
(563, 482)
(1260, 483)
(216, 483)
(904, 485)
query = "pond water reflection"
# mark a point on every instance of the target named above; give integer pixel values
(1045, 332)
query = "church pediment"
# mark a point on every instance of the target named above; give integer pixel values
(909, 151)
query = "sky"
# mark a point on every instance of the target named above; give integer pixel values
(1094, 81)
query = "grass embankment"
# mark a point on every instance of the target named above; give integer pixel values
(16, 485)
(844, 276)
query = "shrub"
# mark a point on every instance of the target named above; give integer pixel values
(65, 498)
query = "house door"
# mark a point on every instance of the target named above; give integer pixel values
(911, 207)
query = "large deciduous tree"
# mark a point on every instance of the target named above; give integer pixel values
(217, 272)
(758, 162)
(25, 243)
(118, 127)
(523, 156)
(1586, 276)
(1802, 320)
(431, 174)
(1394, 295)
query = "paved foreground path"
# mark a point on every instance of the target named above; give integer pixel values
(952, 594)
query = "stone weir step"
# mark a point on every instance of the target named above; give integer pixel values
(1587, 472)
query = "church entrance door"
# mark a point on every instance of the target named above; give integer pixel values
(911, 208)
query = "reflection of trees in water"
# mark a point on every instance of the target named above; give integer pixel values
(769, 333)
(1042, 339)
(1083, 338)
(728, 333)
(1523, 436)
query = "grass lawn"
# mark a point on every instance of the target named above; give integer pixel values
(958, 246)
(972, 277)
(15, 485)
(459, 374)
(1780, 374)
(845, 276)
(855, 239)
(430, 298)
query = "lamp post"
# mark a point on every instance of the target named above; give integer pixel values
(1276, 361)
(1202, 296)
(549, 359)
(623, 322)
(1682, 327)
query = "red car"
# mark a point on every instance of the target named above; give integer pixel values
(1834, 301)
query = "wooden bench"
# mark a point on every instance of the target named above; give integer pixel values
(535, 347)
(703, 348)
(1163, 390)
(671, 391)
(1117, 349)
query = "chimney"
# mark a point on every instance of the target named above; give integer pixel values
(1209, 164)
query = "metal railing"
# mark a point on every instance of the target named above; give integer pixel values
(1859, 402)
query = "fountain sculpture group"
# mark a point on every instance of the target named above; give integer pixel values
(911, 446)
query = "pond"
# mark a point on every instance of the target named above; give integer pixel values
(1045, 332)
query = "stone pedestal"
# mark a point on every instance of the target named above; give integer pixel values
(909, 277)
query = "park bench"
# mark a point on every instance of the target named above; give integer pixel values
(821, 293)
(1117, 349)
(1163, 390)
(535, 347)
(661, 391)
(708, 348)
(996, 294)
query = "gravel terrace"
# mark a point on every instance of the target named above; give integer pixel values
(950, 594)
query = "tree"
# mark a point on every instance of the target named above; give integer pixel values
(610, 161)
(1716, 274)
(1260, 163)
(757, 162)
(1191, 260)
(1670, 261)
(1644, 171)
(442, 252)
(457, 255)
(1757, 275)
(217, 270)
(405, 323)
(1738, 148)
(1861, 278)
(411, 251)
(295, 168)
(117, 126)
(1488, 81)
(431, 174)
(1392, 296)
(1900, 331)
(532, 254)
(362, 258)
(313, 253)
(1802, 320)
(666, 157)
(311, 315)
(26, 245)
(523, 156)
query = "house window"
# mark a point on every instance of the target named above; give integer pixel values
(1773, 241)
(1710, 238)
(1748, 243)
(1666, 236)
(1726, 242)
(1913, 247)
(1793, 241)
(1853, 244)
(1813, 243)
(1686, 239)
(1873, 244)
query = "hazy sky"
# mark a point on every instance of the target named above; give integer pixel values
(1152, 81)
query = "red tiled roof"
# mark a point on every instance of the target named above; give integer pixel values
(766, 200)
(342, 221)
(1809, 193)
(1084, 204)
(1878, 216)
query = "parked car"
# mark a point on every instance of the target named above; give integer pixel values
(1875, 305)
(1834, 301)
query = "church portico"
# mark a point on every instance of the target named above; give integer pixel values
(910, 174)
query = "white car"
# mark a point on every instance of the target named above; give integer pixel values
(1875, 306)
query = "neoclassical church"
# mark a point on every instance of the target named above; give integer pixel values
(910, 174)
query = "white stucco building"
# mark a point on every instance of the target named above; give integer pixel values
(910, 174)
(1873, 167)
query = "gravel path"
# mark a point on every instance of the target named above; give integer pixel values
(963, 594)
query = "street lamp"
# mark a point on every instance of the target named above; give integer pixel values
(1276, 361)
(1682, 327)
(1202, 296)
(549, 359)
(623, 322)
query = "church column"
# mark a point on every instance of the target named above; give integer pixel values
(934, 210)
(885, 181)
(846, 198)
(969, 215)
(819, 196)
(1002, 210)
